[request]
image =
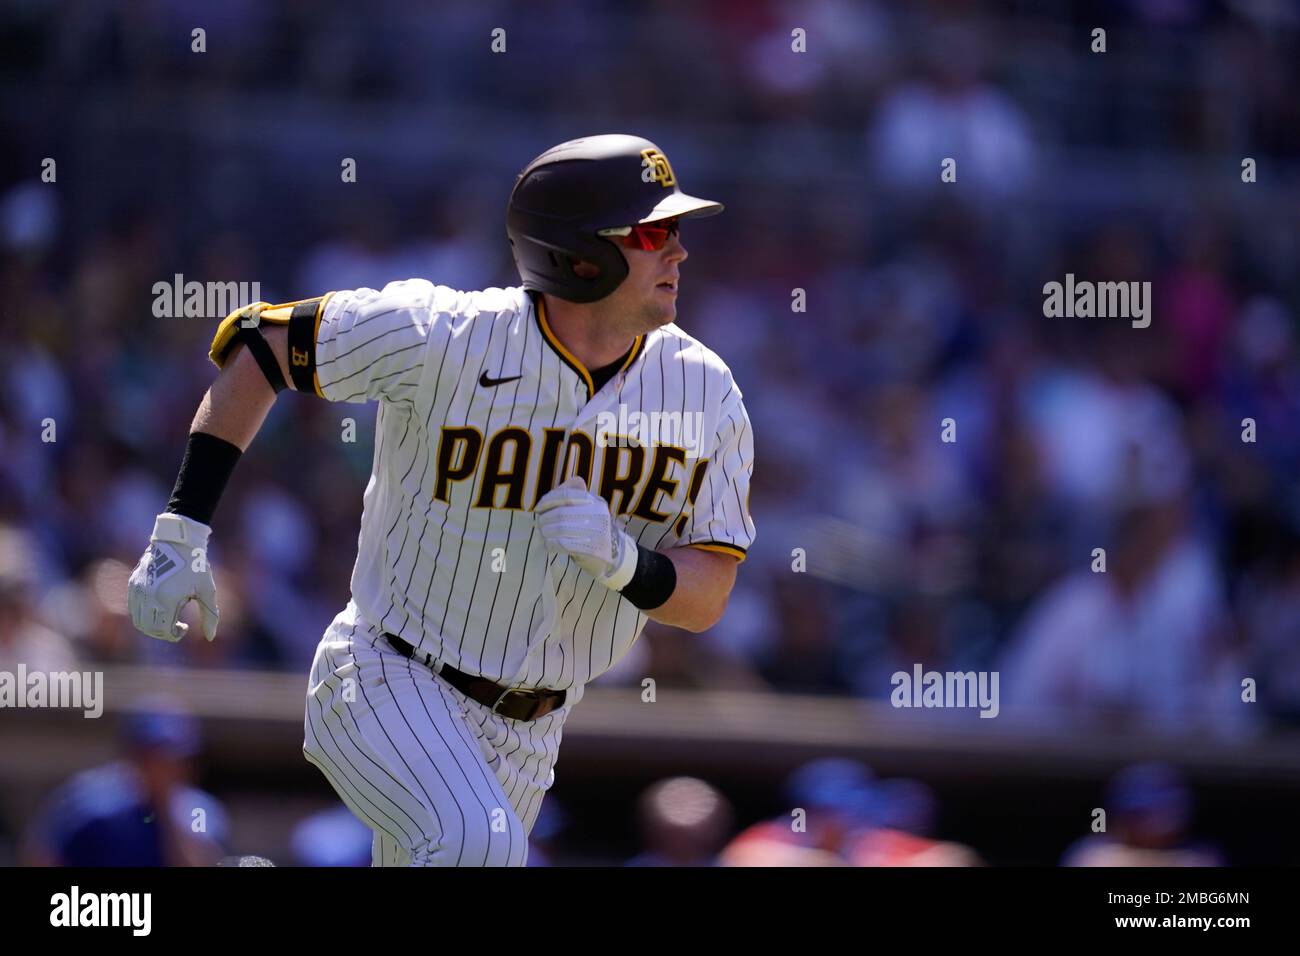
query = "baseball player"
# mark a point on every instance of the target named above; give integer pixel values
(554, 464)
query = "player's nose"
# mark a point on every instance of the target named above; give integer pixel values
(676, 252)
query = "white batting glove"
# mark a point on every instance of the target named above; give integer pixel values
(575, 522)
(166, 579)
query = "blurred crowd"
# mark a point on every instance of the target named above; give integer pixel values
(880, 544)
(143, 809)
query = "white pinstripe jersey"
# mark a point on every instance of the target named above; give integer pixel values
(449, 555)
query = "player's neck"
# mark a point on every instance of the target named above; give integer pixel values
(588, 336)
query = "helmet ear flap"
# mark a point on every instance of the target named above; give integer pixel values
(582, 268)
(571, 266)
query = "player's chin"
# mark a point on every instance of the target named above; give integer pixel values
(661, 310)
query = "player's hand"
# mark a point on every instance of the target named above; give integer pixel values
(575, 522)
(173, 570)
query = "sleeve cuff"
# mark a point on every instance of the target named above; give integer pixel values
(735, 550)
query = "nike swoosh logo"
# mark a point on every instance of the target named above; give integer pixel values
(487, 381)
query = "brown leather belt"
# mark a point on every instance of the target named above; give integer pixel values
(516, 703)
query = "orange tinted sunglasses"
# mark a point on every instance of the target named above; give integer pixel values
(646, 236)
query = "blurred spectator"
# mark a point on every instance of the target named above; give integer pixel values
(547, 837)
(801, 656)
(333, 837)
(137, 811)
(369, 254)
(1148, 812)
(23, 640)
(831, 802)
(1198, 301)
(683, 822)
(1270, 591)
(903, 837)
(953, 112)
(1146, 642)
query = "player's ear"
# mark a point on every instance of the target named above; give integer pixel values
(584, 269)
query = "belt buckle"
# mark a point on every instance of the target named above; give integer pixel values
(525, 691)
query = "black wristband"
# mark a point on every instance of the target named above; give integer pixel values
(205, 469)
(653, 582)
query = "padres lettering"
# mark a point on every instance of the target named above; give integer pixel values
(501, 472)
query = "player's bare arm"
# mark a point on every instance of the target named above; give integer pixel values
(237, 403)
(704, 583)
(174, 569)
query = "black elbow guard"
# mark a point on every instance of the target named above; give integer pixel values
(244, 327)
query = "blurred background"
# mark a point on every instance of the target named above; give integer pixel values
(924, 301)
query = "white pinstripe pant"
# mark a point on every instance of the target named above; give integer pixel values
(441, 779)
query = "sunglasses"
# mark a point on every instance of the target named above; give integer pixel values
(648, 236)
